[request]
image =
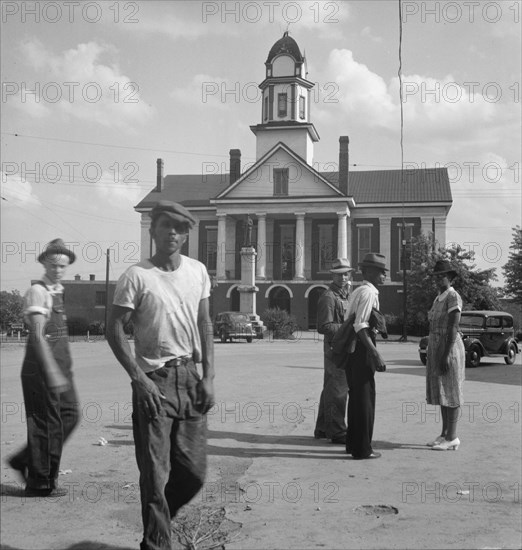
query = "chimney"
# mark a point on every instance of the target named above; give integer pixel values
(92, 277)
(235, 165)
(343, 164)
(77, 277)
(159, 175)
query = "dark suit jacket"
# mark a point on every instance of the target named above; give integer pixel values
(344, 340)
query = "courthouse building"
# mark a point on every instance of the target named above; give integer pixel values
(297, 218)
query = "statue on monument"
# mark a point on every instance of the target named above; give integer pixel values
(248, 231)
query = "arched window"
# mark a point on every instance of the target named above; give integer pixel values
(280, 298)
(313, 298)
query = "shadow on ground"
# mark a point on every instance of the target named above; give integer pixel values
(314, 448)
(84, 545)
(487, 372)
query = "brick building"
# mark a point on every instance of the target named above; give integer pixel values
(300, 218)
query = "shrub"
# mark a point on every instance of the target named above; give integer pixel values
(393, 323)
(418, 324)
(279, 323)
(77, 326)
(97, 328)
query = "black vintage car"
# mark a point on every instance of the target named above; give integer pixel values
(485, 334)
(231, 325)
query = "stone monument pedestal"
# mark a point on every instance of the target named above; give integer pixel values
(247, 289)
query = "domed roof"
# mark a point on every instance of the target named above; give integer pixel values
(285, 45)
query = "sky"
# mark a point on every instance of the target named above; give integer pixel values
(94, 92)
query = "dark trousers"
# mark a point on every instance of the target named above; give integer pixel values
(170, 453)
(51, 418)
(361, 403)
(332, 403)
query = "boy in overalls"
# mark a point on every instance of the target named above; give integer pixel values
(51, 402)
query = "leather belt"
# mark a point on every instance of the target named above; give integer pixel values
(178, 361)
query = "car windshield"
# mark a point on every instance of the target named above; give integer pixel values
(471, 321)
(238, 318)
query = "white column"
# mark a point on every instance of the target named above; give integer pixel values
(193, 244)
(262, 249)
(440, 231)
(145, 247)
(426, 225)
(385, 238)
(349, 239)
(299, 245)
(342, 236)
(221, 237)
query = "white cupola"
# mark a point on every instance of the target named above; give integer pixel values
(286, 94)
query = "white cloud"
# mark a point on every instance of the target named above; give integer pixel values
(75, 84)
(363, 95)
(122, 194)
(17, 190)
(433, 108)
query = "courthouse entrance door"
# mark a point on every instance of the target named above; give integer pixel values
(284, 251)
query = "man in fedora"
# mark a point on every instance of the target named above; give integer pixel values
(331, 307)
(365, 359)
(50, 399)
(166, 298)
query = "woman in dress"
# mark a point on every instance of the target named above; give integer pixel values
(446, 357)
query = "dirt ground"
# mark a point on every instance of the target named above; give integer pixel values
(270, 485)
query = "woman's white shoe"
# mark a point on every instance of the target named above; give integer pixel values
(447, 445)
(437, 441)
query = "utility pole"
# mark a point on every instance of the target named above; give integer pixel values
(107, 291)
(404, 337)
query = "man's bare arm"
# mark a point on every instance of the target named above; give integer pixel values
(147, 392)
(206, 333)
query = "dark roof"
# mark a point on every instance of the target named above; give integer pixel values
(285, 45)
(188, 189)
(376, 186)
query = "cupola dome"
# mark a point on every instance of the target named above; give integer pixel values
(285, 45)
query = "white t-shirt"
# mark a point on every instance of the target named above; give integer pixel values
(165, 305)
(39, 299)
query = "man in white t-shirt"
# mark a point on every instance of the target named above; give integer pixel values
(166, 298)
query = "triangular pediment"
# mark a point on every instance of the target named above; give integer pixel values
(258, 180)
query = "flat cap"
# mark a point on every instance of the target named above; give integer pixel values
(173, 210)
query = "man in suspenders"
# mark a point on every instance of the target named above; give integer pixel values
(51, 402)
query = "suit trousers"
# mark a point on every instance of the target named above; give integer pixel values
(361, 403)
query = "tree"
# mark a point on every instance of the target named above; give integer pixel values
(513, 269)
(11, 308)
(472, 284)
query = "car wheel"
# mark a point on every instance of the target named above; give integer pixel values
(511, 354)
(223, 336)
(423, 359)
(473, 357)
(249, 339)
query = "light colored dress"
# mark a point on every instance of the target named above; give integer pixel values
(444, 389)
